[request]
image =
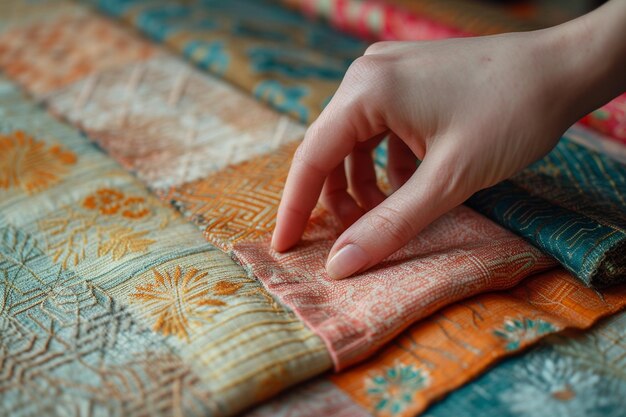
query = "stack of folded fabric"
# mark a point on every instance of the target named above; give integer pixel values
(114, 303)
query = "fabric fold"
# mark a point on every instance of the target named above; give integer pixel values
(460, 255)
(438, 355)
(571, 204)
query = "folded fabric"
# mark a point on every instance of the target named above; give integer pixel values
(571, 204)
(111, 302)
(610, 119)
(581, 374)
(460, 255)
(456, 344)
(285, 60)
(596, 141)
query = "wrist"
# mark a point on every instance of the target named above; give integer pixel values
(584, 60)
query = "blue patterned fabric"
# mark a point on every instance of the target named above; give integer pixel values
(568, 376)
(278, 55)
(571, 204)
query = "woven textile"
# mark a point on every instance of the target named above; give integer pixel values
(50, 55)
(460, 255)
(572, 205)
(578, 374)
(285, 60)
(451, 347)
(113, 303)
(610, 119)
(169, 123)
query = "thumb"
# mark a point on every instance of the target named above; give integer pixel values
(434, 189)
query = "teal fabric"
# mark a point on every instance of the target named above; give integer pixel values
(571, 204)
(581, 376)
(284, 59)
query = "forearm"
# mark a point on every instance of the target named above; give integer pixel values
(587, 59)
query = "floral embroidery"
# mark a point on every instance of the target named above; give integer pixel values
(121, 241)
(180, 301)
(135, 208)
(109, 202)
(551, 385)
(101, 221)
(30, 164)
(393, 391)
(105, 200)
(516, 332)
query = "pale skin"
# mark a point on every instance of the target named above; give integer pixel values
(474, 111)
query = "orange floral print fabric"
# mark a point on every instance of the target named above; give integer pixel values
(30, 164)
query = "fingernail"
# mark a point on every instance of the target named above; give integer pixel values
(347, 261)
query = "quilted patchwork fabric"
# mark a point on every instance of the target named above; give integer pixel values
(111, 302)
(47, 54)
(458, 256)
(293, 64)
(451, 347)
(578, 374)
(170, 124)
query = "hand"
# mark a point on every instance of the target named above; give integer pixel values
(475, 111)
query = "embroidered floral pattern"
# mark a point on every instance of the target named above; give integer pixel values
(107, 218)
(180, 301)
(516, 332)
(30, 164)
(556, 386)
(120, 241)
(392, 391)
(110, 202)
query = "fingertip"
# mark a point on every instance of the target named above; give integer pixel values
(347, 261)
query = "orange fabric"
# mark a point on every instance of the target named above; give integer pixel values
(459, 342)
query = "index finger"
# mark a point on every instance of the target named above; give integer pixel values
(326, 144)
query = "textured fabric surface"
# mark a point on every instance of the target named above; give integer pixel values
(47, 53)
(285, 60)
(610, 119)
(579, 374)
(572, 205)
(598, 142)
(111, 302)
(458, 256)
(456, 344)
(168, 123)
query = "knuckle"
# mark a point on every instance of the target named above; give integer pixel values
(377, 47)
(365, 67)
(303, 157)
(389, 221)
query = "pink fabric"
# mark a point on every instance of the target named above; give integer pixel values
(610, 119)
(460, 255)
(376, 19)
